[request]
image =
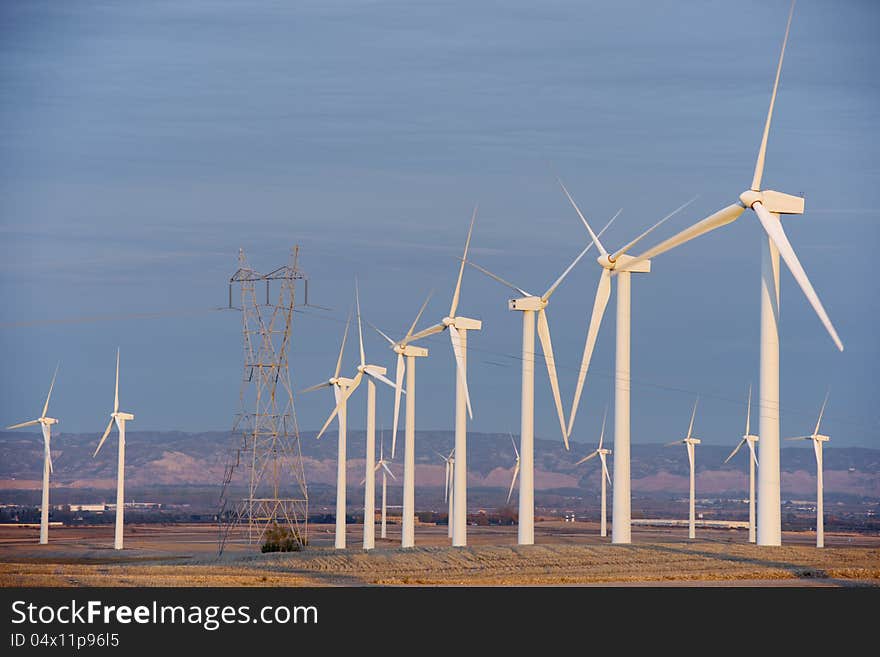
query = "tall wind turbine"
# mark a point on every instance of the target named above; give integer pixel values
(382, 463)
(612, 264)
(339, 384)
(515, 470)
(767, 205)
(818, 439)
(449, 492)
(120, 418)
(602, 453)
(406, 363)
(749, 440)
(530, 305)
(457, 326)
(376, 372)
(689, 442)
(45, 423)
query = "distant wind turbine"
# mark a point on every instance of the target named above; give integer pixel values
(818, 439)
(120, 418)
(602, 453)
(45, 423)
(689, 442)
(449, 492)
(750, 440)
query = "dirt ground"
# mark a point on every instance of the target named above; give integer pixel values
(565, 553)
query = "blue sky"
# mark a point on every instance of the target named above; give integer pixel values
(142, 144)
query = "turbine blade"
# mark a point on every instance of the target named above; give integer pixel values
(690, 451)
(370, 371)
(603, 292)
(316, 387)
(693, 415)
(424, 333)
(456, 295)
(559, 280)
(816, 449)
(752, 450)
(605, 470)
(516, 451)
(513, 481)
(821, 413)
(357, 298)
(23, 424)
(498, 278)
(412, 328)
(103, 438)
(762, 151)
(587, 458)
(593, 236)
(398, 387)
(343, 399)
(735, 450)
(116, 398)
(47, 451)
(799, 438)
(388, 470)
(49, 396)
(446, 484)
(547, 348)
(749, 411)
(379, 331)
(342, 346)
(773, 228)
(674, 442)
(626, 248)
(602, 435)
(720, 218)
(455, 338)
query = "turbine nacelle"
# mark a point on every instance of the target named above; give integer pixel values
(119, 415)
(776, 202)
(409, 350)
(750, 438)
(527, 303)
(48, 421)
(465, 323)
(608, 261)
(372, 369)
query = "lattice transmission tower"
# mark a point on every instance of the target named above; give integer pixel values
(265, 459)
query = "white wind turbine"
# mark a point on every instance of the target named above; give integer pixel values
(449, 491)
(45, 423)
(382, 463)
(406, 362)
(612, 264)
(346, 390)
(818, 439)
(749, 440)
(689, 442)
(767, 205)
(602, 453)
(529, 305)
(120, 418)
(457, 326)
(515, 470)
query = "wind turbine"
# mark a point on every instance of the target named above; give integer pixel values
(449, 492)
(689, 442)
(382, 463)
(602, 453)
(749, 440)
(409, 352)
(120, 418)
(457, 326)
(529, 305)
(347, 390)
(767, 205)
(818, 439)
(45, 423)
(612, 264)
(515, 470)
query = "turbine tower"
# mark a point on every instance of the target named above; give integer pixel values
(612, 264)
(818, 439)
(689, 442)
(602, 453)
(530, 305)
(45, 423)
(457, 326)
(409, 352)
(749, 440)
(120, 418)
(768, 206)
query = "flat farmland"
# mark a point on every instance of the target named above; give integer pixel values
(564, 553)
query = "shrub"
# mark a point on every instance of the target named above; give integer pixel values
(283, 539)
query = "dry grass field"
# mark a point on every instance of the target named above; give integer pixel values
(564, 554)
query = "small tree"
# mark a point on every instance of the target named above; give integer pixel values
(282, 539)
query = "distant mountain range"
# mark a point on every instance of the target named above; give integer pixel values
(178, 459)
